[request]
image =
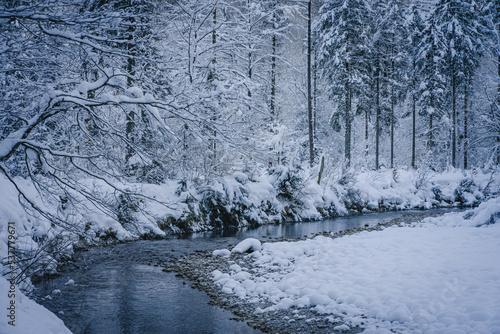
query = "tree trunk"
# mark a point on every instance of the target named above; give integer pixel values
(309, 86)
(392, 102)
(366, 131)
(498, 104)
(392, 120)
(273, 111)
(273, 79)
(377, 118)
(322, 166)
(315, 93)
(130, 123)
(498, 151)
(213, 144)
(466, 98)
(431, 126)
(414, 121)
(454, 125)
(273, 68)
(347, 137)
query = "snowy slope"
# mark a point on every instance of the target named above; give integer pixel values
(29, 317)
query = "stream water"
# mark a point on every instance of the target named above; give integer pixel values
(122, 289)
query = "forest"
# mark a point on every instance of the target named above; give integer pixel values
(123, 119)
(140, 119)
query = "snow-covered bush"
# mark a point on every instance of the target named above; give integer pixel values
(465, 192)
(289, 187)
(225, 203)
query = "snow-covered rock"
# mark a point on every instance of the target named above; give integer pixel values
(249, 244)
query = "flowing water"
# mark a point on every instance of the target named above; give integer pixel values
(122, 288)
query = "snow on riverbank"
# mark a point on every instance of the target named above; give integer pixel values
(433, 277)
(26, 316)
(235, 200)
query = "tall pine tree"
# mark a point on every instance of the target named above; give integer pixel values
(343, 50)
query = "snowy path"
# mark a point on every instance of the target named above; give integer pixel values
(436, 277)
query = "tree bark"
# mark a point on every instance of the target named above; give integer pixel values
(454, 111)
(130, 124)
(392, 117)
(466, 98)
(366, 131)
(273, 79)
(454, 125)
(498, 104)
(309, 86)
(322, 166)
(315, 94)
(347, 142)
(213, 143)
(414, 121)
(377, 117)
(431, 126)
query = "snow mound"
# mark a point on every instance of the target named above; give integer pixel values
(247, 245)
(485, 214)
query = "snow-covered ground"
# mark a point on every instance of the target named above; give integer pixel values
(278, 196)
(26, 316)
(439, 276)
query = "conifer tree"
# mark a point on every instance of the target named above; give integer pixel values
(343, 51)
(414, 26)
(430, 64)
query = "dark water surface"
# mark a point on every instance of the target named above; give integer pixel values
(122, 289)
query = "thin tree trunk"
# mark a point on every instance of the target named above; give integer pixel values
(249, 92)
(431, 126)
(414, 121)
(130, 123)
(498, 104)
(392, 126)
(377, 118)
(213, 145)
(366, 131)
(498, 151)
(431, 134)
(454, 125)
(273, 79)
(315, 93)
(309, 86)
(392, 105)
(322, 166)
(466, 98)
(273, 68)
(347, 143)
(274, 115)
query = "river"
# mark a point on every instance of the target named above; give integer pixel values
(122, 289)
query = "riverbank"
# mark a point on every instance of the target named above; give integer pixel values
(280, 196)
(128, 276)
(199, 269)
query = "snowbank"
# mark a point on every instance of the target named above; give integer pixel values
(398, 189)
(27, 316)
(485, 214)
(435, 277)
(284, 195)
